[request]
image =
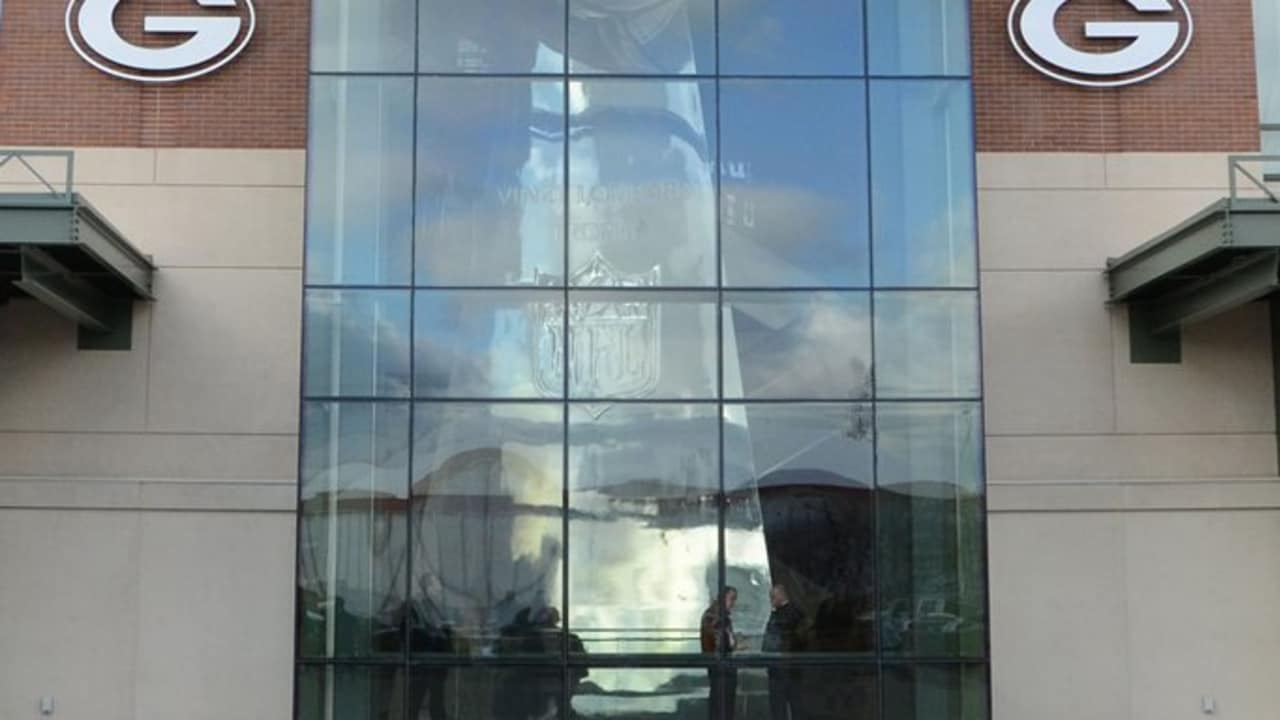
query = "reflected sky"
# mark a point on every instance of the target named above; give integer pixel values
(641, 178)
(357, 343)
(927, 345)
(351, 544)
(486, 522)
(785, 37)
(918, 37)
(359, 181)
(797, 345)
(922, 185)
(643, 556)
(490, 182)
(642, 37)
(477, 343)
(794, 188)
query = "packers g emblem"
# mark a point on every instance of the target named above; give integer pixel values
(1154, 46)
(208, 40)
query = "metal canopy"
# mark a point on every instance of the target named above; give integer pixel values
(1220, 258)
(58, 249)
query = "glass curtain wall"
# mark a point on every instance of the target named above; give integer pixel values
(641, 363)
(1266, 20)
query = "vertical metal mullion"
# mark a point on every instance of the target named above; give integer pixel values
(565, 694)
(982, 425)
(406, 654)
(877, 604)
(720, 666)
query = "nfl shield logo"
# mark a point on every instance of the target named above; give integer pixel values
(613, 344)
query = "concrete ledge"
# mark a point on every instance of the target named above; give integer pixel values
(83, 493)
(1136, 496)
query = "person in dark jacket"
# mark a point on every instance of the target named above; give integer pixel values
(717, 634)
(782, 635)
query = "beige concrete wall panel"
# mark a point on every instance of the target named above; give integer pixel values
(48, 385)
(1025, 171)
(233, 227)
(95, 166)
(1047, 341)
(1103, 458)
(215, 599)
(1204, 588)
(226, 351)
(1167, 170)
(195, 166)
(1058, 617)
(152, 455)
(1076, 229)
(95, 493)
(70, 602)
(1223, 384)
(1136, 496)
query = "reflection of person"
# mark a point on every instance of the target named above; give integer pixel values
(427, 684)
(716, 631)
(534, 693)
(782, 635)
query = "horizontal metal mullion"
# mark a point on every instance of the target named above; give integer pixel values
(419, 400)
(666, 77)
(815, 660)
(709, 289)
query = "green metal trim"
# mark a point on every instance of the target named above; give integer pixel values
(1251, 278)
(1148, 346)
(1195, 239)
(44, 279)
(35, 220)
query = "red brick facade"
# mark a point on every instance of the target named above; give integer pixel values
(50, 96)
(1206, 102)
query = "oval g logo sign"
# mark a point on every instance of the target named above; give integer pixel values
(1154, 45)
(209, 40)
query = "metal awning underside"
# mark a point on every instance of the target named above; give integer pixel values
(1222, 257)
(58, 249)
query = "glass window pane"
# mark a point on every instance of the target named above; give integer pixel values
(357, 343)
(350, 693)
(927, 692)
(800, 521)
(1266, 23)
(359, 207)
(658, 37)
(797, 345)
(490, 182)
(633, 344)
(923, 186)
(932, 594)
(642, 208)
(489, 343)
(531, 692)
(487, 537)
(642, 693)
(809, 693)
(362, 35)
(491, 36)
(785, 37)
(351, 544)
(918, 37)
(794, 209)
(927, 345)
(643, 538)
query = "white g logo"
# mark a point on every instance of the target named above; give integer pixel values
(214, 40)
(1156, 44)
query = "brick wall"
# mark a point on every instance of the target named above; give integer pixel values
(1207, 102)
(50, 96)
